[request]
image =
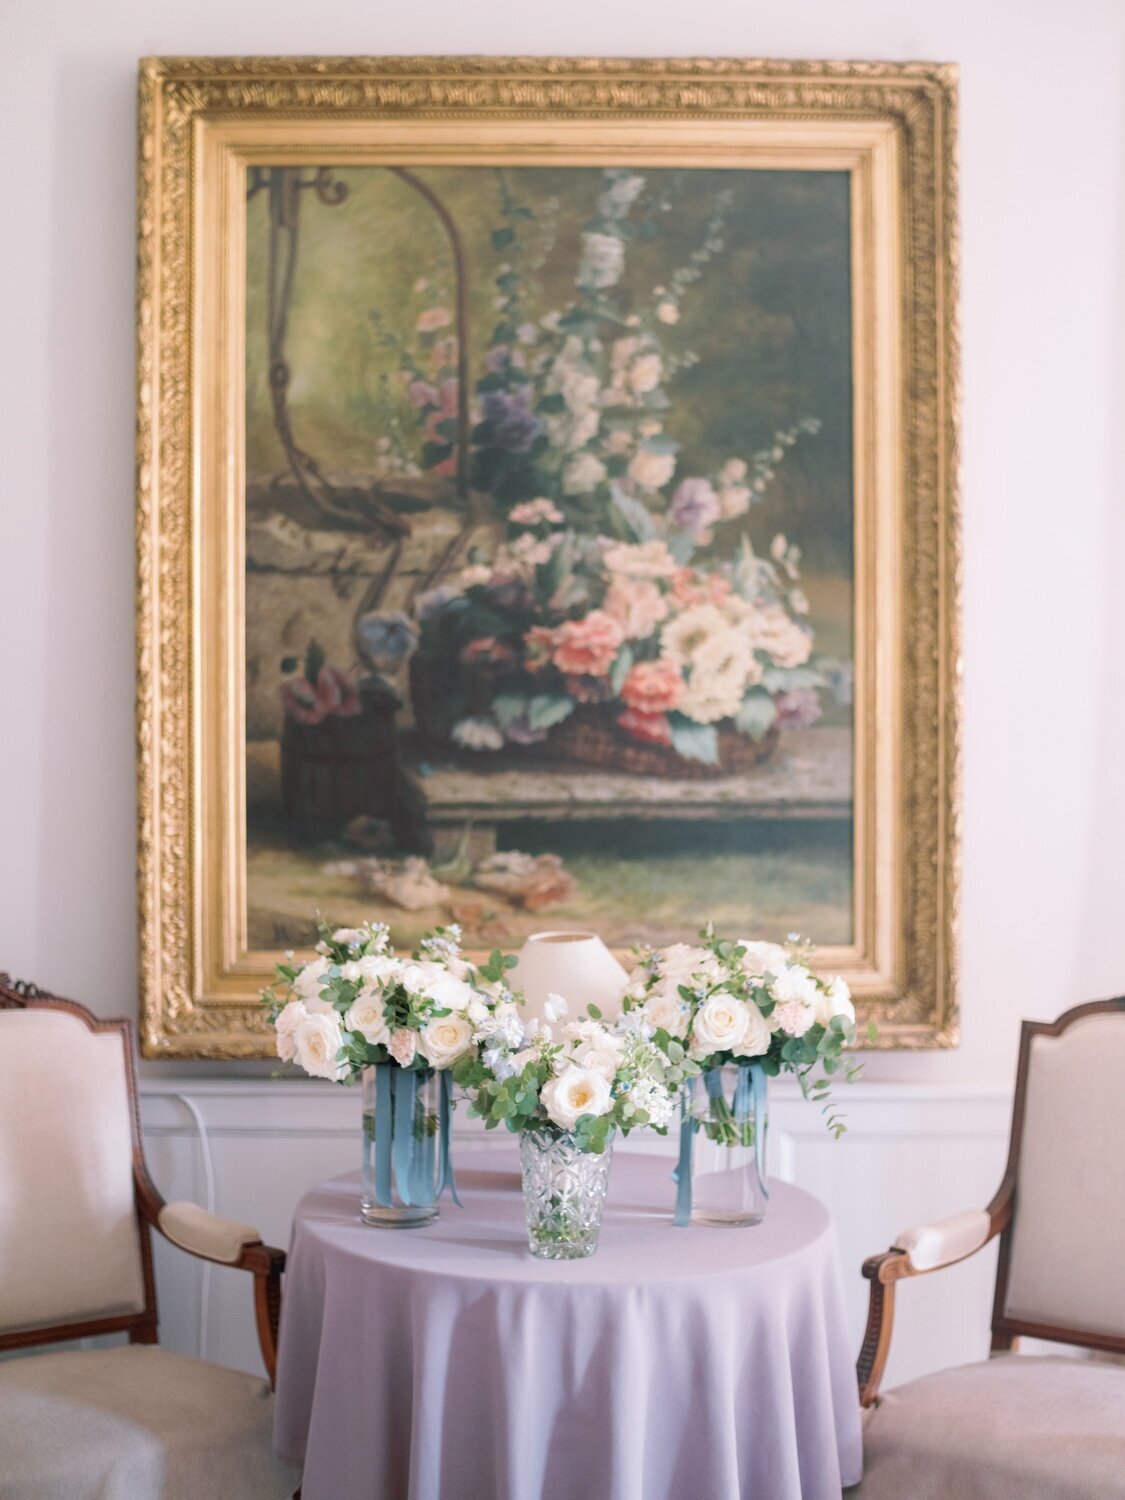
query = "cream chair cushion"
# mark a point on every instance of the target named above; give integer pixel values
(1016, 1427)
(1069, 1226)
(69, 1249)
(135, 1423)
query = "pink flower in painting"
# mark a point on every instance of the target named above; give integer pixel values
(798, 708)
(690, 587)
(333, 693)
(531, 512)
(448, 398)
(653, 729)
(447, 469)
(488, 652)
(433, 318)
(422, 393)
(539, 643)
(653, 687)
(638, 604)
(588, 646)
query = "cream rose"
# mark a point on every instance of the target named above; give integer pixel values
(836, 1000)
(601, 1055)
(761, 958)
(445, 1039)
(665, 1010)
(757, 1036)
(720, 1024)
(365, 1015)
(307, 985)
(317, 1040)
(288, 1020)
(574, 1093)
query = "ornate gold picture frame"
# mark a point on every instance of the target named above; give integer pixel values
(506, 501)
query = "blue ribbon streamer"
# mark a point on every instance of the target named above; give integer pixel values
(405, 1147)
(749, 1099)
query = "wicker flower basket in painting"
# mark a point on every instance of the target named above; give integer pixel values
(592, 739)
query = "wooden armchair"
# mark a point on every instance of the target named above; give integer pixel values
(1020, 1425)
(77, 1208)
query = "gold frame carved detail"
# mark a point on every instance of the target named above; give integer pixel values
(203, 121)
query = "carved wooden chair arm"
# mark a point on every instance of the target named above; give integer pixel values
(226, 1242)
(916, 1252)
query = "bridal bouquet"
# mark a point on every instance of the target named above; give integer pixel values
(738, 1013)
(359, 1010)
(576, 1078)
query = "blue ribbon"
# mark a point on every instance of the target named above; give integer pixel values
(405, 1146)
(749, 1099)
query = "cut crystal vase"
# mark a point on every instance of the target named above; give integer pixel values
(564, 1191)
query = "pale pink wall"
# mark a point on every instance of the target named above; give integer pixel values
(1043, 183)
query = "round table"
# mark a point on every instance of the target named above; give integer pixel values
(447, 1363)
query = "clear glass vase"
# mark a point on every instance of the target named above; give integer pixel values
(564, 1192)
(401, 1169)
(727, 1186)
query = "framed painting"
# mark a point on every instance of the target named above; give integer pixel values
(547, 515)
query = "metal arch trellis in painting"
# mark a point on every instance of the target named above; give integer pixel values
(343, 506)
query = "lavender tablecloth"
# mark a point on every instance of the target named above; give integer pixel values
(674, 1364)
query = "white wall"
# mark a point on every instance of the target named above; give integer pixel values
(1043, 310)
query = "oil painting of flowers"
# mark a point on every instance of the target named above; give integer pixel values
(549, 551)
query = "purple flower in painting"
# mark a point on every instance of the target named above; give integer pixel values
(508, 413)
(422, 393)
(797, 709)
(520, 732)
(695, 506)
(387, 637)
(497, 358)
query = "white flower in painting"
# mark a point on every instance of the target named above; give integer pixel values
(288, 1020)
(666, 1010)
(573, 1093)
(366, 1015)
(650, 469)
(692, 630)
(443, 1040)
(603, 259)
(771, 630)
(403, 1045)
(761, 958)
(317, 1040)
(615, 200)
(712, 700)
(734, 500)
(756, 1038)
(479, 733)
(477, 575)
(645, 373)
(734, 471)
(720, 1024)
(640, 559)
(668, 312)
(836, 1000)
(582, 474)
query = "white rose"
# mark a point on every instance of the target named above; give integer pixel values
(307, 984)
(836, 1000)
(761, 958)
(794, 982)
(378, 968)
(444, 1040)
(756, 1039)
(317, 1040)
(403, 1045)
(720, 1024)
(601, 1055)
(347, 936)
(666, 1010)
(288, 1020)
(366, 1016)
(681, 960)
(574, 1093)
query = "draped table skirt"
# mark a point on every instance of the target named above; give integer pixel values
(447, 1363)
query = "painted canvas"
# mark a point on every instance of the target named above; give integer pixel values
(549, 551)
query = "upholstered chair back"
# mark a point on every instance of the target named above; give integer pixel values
(1066, 1244)
(70, 1250)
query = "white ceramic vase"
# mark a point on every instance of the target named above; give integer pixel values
(576, 965)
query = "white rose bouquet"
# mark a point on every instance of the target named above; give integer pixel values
(359, 1010)
(576, 1078)
(754, 1008)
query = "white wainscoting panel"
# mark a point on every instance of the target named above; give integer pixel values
(912, 1153)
